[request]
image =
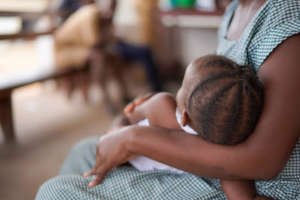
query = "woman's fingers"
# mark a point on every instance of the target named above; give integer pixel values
(90, 173)
(111, 152)
(96, 181)
(100, 174)
(96, 166)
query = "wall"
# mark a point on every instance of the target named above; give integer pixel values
(184, 37)
(196, 42)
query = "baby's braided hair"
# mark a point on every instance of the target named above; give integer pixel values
(227, 103)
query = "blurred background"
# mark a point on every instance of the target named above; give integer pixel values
(68, 67)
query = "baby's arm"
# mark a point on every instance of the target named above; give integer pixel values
(120, 121)
(159, 110)
(143, 108)
(240, 190)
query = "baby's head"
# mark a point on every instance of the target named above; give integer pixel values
(221, 100)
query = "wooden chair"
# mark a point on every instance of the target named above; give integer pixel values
(7, 88)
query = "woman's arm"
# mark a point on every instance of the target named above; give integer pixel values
(262, 156)
(265, 153)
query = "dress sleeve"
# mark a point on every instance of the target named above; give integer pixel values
(277, 22)
(273, 38)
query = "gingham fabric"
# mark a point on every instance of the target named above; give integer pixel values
(276, 21)
(273, 23)
(124, 182)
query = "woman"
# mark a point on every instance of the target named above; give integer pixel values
(260, 32)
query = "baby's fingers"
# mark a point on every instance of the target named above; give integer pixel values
(138, 101)
(129, 108)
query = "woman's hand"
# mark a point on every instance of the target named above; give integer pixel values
(112, 148)
(112, 151)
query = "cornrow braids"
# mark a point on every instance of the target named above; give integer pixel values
(226, 105)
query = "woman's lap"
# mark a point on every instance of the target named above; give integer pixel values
(81, 158)
(123, 182)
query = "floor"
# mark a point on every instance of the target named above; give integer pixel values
(47, 126)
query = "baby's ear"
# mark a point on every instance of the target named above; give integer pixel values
(185, 118)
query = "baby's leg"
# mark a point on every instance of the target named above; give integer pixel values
(241, 190)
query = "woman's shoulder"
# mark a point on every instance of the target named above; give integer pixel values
(274, 15)
(277, 12)
(284, 8)
(274, 23)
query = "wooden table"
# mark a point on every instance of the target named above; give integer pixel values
(6, 90)
(19, 77)
(11, 80)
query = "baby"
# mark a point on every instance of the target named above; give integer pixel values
(219, 101)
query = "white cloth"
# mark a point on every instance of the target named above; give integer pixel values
(187, 128)
(142, 163)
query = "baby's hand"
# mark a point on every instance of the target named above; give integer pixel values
(138, 101)
(241, 190)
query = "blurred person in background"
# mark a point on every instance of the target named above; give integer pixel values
(86, 40)
(83, 40)
(141, 48)
(67, 7)
(61, 8)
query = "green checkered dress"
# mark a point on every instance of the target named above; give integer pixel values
(276, 21)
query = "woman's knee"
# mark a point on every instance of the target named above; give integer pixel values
(50, 190)
(81, 158)
(62, 188)
(84, 146)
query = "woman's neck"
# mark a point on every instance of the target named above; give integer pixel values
(243, 16)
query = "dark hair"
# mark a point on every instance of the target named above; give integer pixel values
(226, 105)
